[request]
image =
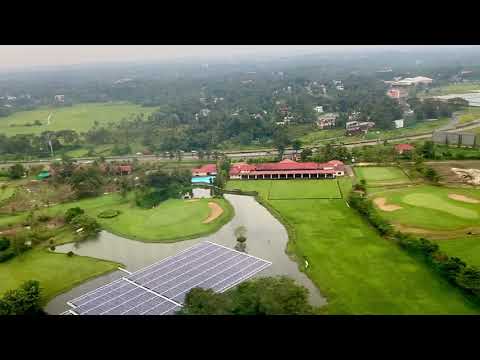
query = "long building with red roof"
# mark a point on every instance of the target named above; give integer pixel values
(288, 169)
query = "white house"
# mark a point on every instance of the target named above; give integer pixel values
(201, 193)
(60, 98)
(318, 109)
(398, 123)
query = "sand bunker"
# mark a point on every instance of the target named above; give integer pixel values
(463, 198)
(192, 200)
(470, 176)
(215, 212)
(381, 203)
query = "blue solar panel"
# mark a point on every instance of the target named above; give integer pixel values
(160, 289)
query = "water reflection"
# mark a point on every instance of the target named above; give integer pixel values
(266, 238)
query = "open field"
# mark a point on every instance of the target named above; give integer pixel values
(431, 207)
(80, 117)
(381, 175)
(56, 273)
(465, 248)
(359, 271)
(461, 88)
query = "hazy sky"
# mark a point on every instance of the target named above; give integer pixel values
(24, 56)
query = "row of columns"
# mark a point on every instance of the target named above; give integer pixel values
(290, 176)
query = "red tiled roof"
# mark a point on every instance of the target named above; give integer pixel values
(403, 147)
(127, 168)
(208, 168)
(287, 165)
(289, 172)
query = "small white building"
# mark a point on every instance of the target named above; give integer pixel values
(201, 193)
(204, 112)
(60, 98)
(327, 120)
(318, 109)
(398, 123)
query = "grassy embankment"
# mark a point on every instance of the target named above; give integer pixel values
(358, 271)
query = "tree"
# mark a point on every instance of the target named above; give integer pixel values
(280, 141)
(73, 212)
(240, 234)
(125, 185)
(305, 154)
(85, 226)
(432, 175)
(16, 171)
(25, 300)
(262, 296)
(296, 144)
(87, 182)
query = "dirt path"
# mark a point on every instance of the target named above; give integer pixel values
(463, 198)
(215, 212)
(381, 204)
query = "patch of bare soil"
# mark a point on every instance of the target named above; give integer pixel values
(381, 204)
(463, 198)
(215, 211)
(438, 234)
(470, 176)
(192, 200)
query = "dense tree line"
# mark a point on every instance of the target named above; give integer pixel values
(262, 296)
(26, 300)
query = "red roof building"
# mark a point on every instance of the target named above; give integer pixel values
(205, 170)
(288, 169)
(401, 148)
(124, 169)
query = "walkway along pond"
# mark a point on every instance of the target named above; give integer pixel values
(266, 238)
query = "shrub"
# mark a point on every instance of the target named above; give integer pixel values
(6, 255)
(73, 212)
(107, 214)
(4, 244)
(70, 254)
(44, 218)
(52, 248)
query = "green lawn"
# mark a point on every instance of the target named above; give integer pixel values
(471, 114)
(80, 117)
(171, 220)
(429, 207)
(56, 273)
(303, 189)
(466, 248)
(381, 175)
(6, 192)
(359, 271)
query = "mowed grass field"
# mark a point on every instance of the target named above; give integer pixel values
(303, 189)
(56, 273)
(429, 207)
(79, 117)
(465, 248)
(359, 271)
(171, 220)
(381, 175)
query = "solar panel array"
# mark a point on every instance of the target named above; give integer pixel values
(160, 289)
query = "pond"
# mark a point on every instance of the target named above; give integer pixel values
(266, 238)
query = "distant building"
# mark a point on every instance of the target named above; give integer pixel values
(398, 123)
(327, 120)
(124, 169)
(11, 98)
(355, 127)
(288, 169)
(318, 109)
(205, 170)
(60, 98)
(397, 93)
(340, 87)
(204, 112)
(402, 148)
(449, 138)
(419, 80)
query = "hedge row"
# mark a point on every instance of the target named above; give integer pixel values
(455, 270)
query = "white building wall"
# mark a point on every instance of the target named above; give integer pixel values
(201, 193)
